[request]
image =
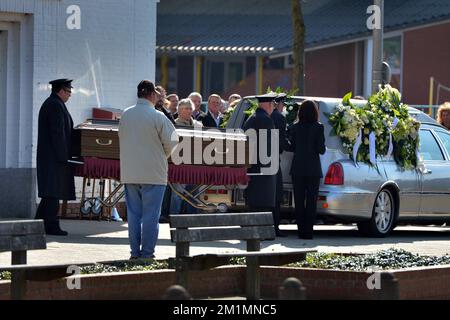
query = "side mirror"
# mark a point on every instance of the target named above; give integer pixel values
(385, 73)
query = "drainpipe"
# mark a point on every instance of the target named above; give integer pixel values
(377, 35)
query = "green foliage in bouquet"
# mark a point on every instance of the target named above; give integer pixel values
(347, 122)
(384, 115)
(254, 105)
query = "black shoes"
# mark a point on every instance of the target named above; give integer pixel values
(57, 232)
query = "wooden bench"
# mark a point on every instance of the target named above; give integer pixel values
(19, 236)
(251, 227)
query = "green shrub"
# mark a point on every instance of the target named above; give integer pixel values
(135, 265)
(385, 259)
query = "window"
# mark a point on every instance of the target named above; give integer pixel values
(392, 54)
(166, 73)
(222, 73)
(445, 138)
(429, 148)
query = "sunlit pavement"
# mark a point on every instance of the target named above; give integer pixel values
(90, 241)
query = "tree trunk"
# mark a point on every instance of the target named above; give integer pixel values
(298, 48)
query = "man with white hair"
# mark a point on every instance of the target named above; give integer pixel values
(196, 99)
(213, 119)
(185, 109)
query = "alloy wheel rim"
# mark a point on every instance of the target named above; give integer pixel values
(383, 211)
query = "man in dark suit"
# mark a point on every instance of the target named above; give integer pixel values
(159, 105)
(54, 174)
(280, 123)
(213, 118)
(173, 98)
(260, 193)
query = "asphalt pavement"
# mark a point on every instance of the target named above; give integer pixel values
(91, 241)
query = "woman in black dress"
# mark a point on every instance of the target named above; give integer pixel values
(307, 143)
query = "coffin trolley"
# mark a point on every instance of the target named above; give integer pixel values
(203, 158)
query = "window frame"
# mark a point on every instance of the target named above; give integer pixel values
(441, 143)
(438, 142)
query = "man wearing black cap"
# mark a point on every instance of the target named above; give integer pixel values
(54, 174)
(260, 193)
(280, 123)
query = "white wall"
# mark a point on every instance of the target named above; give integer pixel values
(107, 57)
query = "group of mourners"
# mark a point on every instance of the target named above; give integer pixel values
(146, 136)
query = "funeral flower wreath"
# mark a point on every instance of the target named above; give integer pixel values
(382, 127)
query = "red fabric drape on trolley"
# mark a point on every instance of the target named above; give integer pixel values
(97, 168)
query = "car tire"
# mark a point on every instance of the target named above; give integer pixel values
(383, 218)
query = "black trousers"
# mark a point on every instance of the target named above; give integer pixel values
(278, 199)
(48, 211)
(305, 188)
(165, 208)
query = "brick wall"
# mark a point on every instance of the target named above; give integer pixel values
(330, 72)
(107, 57)
(413, 283)
(426, 54)
(72, 211)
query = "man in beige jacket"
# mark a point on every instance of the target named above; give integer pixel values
(146, 138)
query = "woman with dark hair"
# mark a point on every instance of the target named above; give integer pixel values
(307, 143)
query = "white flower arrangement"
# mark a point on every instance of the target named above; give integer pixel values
(384, 116)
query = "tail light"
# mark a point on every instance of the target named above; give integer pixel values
(335, 174)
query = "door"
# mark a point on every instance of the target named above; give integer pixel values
(435, 177)
(444, 140)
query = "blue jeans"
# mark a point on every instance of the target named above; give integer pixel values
(143, 210)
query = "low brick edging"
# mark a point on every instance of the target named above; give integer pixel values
(424, 282)
(224, 281)
(413, 283)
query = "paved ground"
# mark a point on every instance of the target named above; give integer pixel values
(90, 241)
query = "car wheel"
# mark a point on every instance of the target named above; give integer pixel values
(383, 216)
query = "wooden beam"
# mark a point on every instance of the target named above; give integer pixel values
(253, 272)
(18, 279)
(21, 227)
(22, 242)
(221, 219)
(259, 74)
(216, 234)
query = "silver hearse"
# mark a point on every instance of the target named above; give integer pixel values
(375, 200)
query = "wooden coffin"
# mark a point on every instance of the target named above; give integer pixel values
(211, 147)
(99, 138)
